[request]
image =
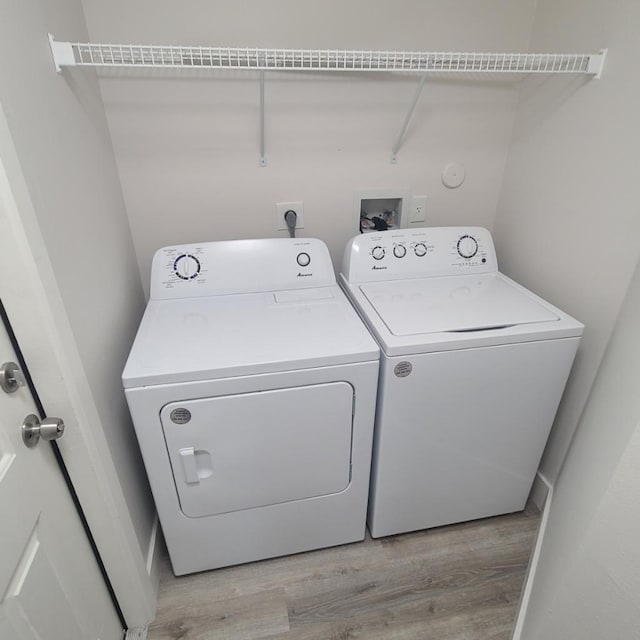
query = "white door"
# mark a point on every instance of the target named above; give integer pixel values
(50, 585)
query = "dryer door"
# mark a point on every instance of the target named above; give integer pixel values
(256, 449)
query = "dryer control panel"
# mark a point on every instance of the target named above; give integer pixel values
(419, 253)
(240, 266)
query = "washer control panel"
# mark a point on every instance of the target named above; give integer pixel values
(240, 266)
(419, 253)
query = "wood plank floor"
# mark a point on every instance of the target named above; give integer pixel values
(458, 582)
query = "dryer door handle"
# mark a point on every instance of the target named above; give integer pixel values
(189, 467)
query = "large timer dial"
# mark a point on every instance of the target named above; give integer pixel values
(186, 266)
(467, 246)
(420, 249)
(399, 251)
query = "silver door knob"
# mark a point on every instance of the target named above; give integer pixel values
(33, 430)
(11, 377)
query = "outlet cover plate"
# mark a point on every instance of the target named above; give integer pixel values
(282, 208)
(418, 209)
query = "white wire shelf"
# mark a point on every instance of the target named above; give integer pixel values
(85, 54)
(127, 55)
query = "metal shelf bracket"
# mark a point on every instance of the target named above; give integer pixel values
(596, 64)
(62, 52)
(405, 124)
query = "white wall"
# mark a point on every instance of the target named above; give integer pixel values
(59, 132)
(567, 224)
(187, 147)
(587, 584)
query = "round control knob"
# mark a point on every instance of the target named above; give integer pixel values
(420, 249)
(186, 266)
(377, 253)
(467, 246)
(303, 259)
(399, 251)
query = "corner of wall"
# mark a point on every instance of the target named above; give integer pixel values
(541, 495)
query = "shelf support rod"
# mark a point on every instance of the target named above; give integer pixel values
(405, 124)
(263, 160)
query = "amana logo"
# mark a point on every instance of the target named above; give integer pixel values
(375, 268)
(304, 275)
(180, 415)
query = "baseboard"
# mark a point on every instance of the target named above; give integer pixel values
(154, 551)
(137, 633)
(153, 569)
(542, 496)
(540, 491)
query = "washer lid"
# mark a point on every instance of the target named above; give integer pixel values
(453, 304)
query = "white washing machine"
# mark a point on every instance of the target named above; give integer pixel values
(252, 386)
(472, 370)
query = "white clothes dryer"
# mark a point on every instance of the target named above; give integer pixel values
(472, 370)
(252, 385)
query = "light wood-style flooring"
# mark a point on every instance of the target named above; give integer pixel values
(458, 582)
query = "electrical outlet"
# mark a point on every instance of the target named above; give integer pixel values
(282, 208)
(418, 209)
